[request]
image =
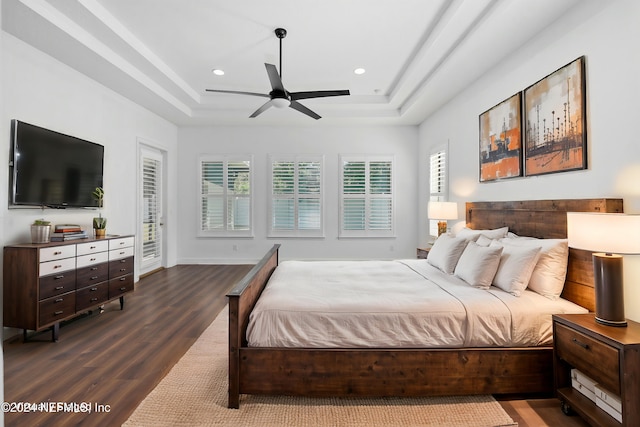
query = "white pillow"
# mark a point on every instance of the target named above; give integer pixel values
(445, 253)
(478, 265)
(551, 269)
(484, 240)
(470, 234)
(516, 266)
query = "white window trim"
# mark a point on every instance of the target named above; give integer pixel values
(226, 159)
(296, 159)
(367, 233)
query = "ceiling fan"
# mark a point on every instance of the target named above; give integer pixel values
(279, 97)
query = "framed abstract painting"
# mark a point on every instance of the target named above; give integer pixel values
(501, 140)
(555, 122)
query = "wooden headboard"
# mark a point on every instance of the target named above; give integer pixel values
(547, 219)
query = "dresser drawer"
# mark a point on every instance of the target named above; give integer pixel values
(58, 266)
(598, 360)
(57, 252)
(92, 275)
(120, 286)
(96, 258)
(92, 296)
(120, 253)
(124, 242)
(120, 267)
(92, 247)
(57, 308)
(57, 284)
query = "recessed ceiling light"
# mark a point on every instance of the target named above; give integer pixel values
(218, 72)
(359, 71)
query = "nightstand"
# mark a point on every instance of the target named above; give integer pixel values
(608, 355)
(422, 253)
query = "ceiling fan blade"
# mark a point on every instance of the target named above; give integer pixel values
(304, 110)
(274, 77)
(238, 92)
(262, 109)
(317, 94)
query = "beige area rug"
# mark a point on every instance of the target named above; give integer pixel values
(194, 393)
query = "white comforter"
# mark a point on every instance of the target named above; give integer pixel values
(399, 304)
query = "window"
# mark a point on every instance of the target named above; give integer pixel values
(366, 199)
(225, 196)
(438, 190)
(296, 196)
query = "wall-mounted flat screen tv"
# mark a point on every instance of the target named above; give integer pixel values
(50, 169)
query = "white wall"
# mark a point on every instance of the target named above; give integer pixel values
(314, 139)
(607, 34)
(40, 90)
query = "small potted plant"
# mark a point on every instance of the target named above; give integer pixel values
(40, 231)
(99, 222)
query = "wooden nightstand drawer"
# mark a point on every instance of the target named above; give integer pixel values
(598, 360)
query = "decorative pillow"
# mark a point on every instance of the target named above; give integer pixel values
(470, 234)
(551, 269)
(516, 266)
(445, 253)
(478, 265)
(484, 240)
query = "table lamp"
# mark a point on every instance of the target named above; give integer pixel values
(613, 235)
(442, 211)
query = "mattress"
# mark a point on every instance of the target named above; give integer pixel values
(393, 304)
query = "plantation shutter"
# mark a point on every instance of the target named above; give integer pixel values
(437, 182)
(296, 197)
(225, 190)
(151, 191)
(366, 197)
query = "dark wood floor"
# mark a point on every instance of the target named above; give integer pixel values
(115, 358)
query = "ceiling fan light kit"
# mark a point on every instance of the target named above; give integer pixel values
(279, 97)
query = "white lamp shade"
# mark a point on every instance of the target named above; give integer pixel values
(604, 232)
(442, 210)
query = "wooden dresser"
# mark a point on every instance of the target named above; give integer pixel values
(608, 356)
(47, 283)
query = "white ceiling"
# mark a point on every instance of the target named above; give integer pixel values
(160, 53)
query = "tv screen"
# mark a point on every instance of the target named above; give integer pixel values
(51, 169)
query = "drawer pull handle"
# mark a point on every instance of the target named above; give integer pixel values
(59, 300)
(122, 279)
(581, 344)
(57, 266)
(93, 259)
(59, 288)
(58, 313)
(93, 289)
(123, 288)
(59, 277)
(92, 247)
(57, 253)
(94, 268)
(123, 269)
(93, 299)
(121, 243)
(94, 277)
(123, 260)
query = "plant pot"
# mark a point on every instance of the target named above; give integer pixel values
(99, 232)
(40, 233)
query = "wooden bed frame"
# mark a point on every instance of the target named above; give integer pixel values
(412, 372)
